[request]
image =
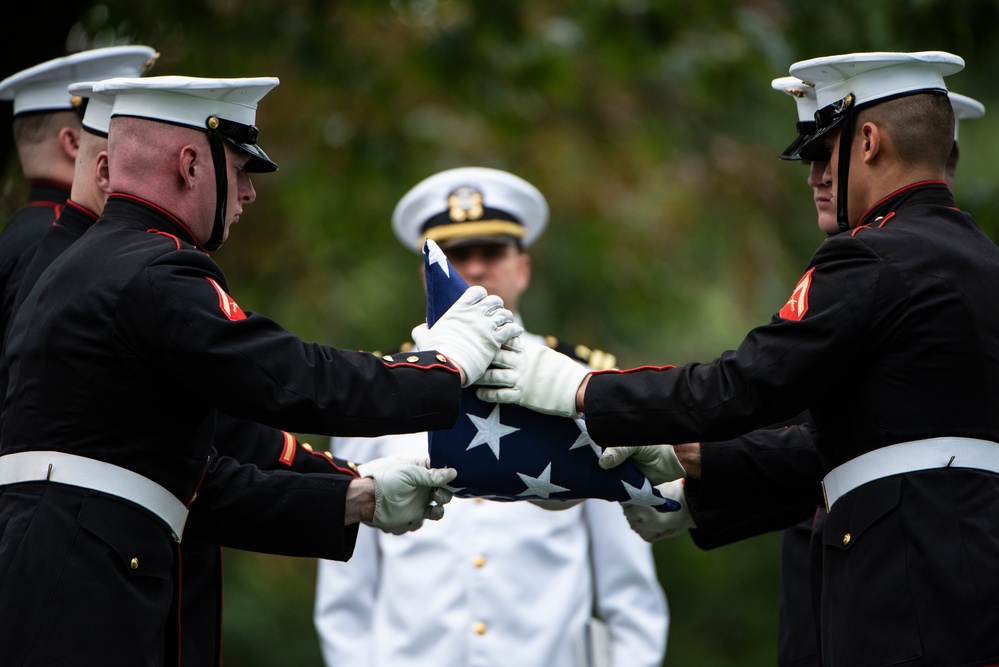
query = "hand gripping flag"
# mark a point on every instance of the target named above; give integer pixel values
(507, 452)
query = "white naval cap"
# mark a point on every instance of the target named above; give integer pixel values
(846, 82)
(43, 87)
(225, 106)
(803, 94)
(97, 117)
(470, 205)
(868, 77)
(964, 107)
(806, 104)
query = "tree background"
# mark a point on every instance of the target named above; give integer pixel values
(651, 128)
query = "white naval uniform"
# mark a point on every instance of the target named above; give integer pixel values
(493, 584)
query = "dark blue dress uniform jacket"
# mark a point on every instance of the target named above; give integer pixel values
(899, 342)
(20, 238)
(765, 481)
(198, 598)
(126, 352)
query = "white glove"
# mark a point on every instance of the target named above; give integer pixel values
(534, 376)
(406, 492)
(652, 525)
(470, 332)
(657, 462)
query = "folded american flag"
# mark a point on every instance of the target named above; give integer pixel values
(506, 452)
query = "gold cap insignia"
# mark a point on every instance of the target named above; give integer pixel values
(148, 65)
(465, 203)
(76, 101)
(213, 123)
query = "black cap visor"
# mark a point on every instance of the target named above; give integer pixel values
(258, 163)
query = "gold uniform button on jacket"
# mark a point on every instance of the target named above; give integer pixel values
(441, 358)
(846, 539)
(306, 446)
(134, 564)
(412, 359)
(480, 628)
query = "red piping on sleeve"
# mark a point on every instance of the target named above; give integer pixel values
(403, 364)
(634, 370)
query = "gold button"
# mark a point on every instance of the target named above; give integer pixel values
(480, 500)
(480, 628)
(388, 357)
(352, 465)
(306, 446)
(135, 563)
(441, 358)
(479, 560)
(329, 455)
(412, 358)
(193, 497)
(846, 539)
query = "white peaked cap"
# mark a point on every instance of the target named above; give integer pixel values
(803, 94)
(97, 117)
(964, 107)
(225, 106)
(185, 100)
(44, 87)
(876, 75)
(470, 205)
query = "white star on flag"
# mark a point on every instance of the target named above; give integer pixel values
(490, 430)
(643, 496)
(584, 439)
(541, 485)
(437, 256)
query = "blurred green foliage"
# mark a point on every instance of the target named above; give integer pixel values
(650, 126)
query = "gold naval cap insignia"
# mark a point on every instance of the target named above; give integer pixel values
(465, 204)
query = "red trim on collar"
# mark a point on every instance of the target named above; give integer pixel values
(165, 212)
(82, 209)
(918, 184)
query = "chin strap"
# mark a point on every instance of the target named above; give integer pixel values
(217, 144)
(845, 147)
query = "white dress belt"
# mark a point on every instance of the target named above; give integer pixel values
(902, 457)
(97, 475)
